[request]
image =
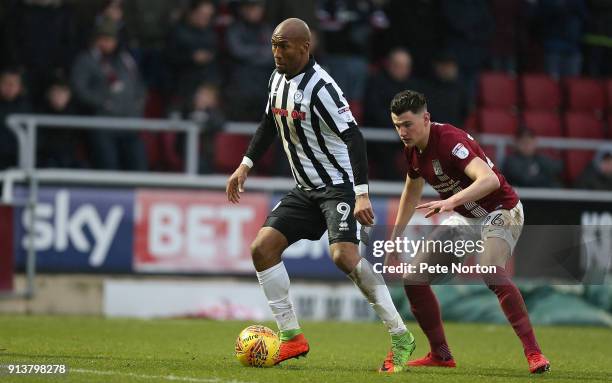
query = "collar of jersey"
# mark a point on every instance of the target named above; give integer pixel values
(429, 141)
(310, 64)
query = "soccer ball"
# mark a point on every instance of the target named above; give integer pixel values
(257, 346)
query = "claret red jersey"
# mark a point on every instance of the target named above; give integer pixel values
(442, 164)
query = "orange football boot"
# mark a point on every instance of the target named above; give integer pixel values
(538, 363)
(430, 360)
(293, 348)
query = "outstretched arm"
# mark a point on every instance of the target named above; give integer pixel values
(485, 182)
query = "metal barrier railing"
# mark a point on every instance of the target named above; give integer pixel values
(25, 127)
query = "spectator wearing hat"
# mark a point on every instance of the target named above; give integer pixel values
(527, 168)
(112, 12)
(106, 82)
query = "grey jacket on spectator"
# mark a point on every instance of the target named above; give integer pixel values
(108, 85)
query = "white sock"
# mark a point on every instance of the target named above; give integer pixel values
(275, 284)
(373, 287)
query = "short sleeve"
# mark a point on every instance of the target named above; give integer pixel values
(457, 148)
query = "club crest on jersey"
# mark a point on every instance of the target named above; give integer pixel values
(298, 96)
(460, 151)
(437, 168)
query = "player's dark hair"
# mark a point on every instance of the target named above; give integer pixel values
(408, 101)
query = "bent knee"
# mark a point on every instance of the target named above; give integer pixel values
(338, 255)
(265, 255)
(342, 256)
(262, 249)
(345, 257)
(268, 244)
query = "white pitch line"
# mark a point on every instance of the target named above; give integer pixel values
(164, 377)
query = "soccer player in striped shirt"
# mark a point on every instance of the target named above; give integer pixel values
(327, 154)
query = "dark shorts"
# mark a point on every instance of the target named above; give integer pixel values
(306, 214)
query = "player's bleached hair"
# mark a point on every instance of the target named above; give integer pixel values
(408, 101)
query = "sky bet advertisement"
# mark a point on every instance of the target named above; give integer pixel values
(156, 231)
(153, 231)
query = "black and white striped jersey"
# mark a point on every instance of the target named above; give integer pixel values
(312, 118)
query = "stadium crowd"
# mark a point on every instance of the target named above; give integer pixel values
(209, 61)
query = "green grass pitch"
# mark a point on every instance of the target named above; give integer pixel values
(189, 350)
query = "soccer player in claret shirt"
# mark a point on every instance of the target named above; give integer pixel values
(328, 160)
(480, 198)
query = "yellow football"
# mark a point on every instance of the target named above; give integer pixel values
(257, 346)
